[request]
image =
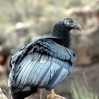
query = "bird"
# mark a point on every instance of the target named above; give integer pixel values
(44, 63)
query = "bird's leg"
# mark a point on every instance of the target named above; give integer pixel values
(53, 95)
(39, 91)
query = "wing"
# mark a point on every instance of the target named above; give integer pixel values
(39, 70)
(43, 63)
(51, 46)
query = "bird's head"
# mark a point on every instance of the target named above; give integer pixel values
(70, 23)
(66, 24)
(63, 27)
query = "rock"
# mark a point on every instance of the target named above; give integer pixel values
(2, 96)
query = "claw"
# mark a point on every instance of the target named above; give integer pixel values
(53, 95)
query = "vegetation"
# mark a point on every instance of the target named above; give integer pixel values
(12, 11)
(82, 91)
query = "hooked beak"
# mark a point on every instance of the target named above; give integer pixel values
(72, 24)
(76, 25)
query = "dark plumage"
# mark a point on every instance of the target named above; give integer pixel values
(43, 63)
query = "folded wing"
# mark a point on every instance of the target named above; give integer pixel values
(43, 63)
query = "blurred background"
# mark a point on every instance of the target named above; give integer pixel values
(23, 21)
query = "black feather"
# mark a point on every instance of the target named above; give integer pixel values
(46, 45)
(43, 63)
(60, 31)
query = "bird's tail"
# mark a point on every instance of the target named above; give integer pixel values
(24, 93)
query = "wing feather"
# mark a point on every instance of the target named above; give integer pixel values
(43, 63)
(41, 72)
(59, 76)
(47, 45)
(23, 72)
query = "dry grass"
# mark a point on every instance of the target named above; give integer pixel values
(82, 91)
(2, 96)
(4, 93)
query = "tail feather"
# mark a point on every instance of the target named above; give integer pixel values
(21, 94)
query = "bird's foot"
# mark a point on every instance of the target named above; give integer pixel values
(53, 95)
